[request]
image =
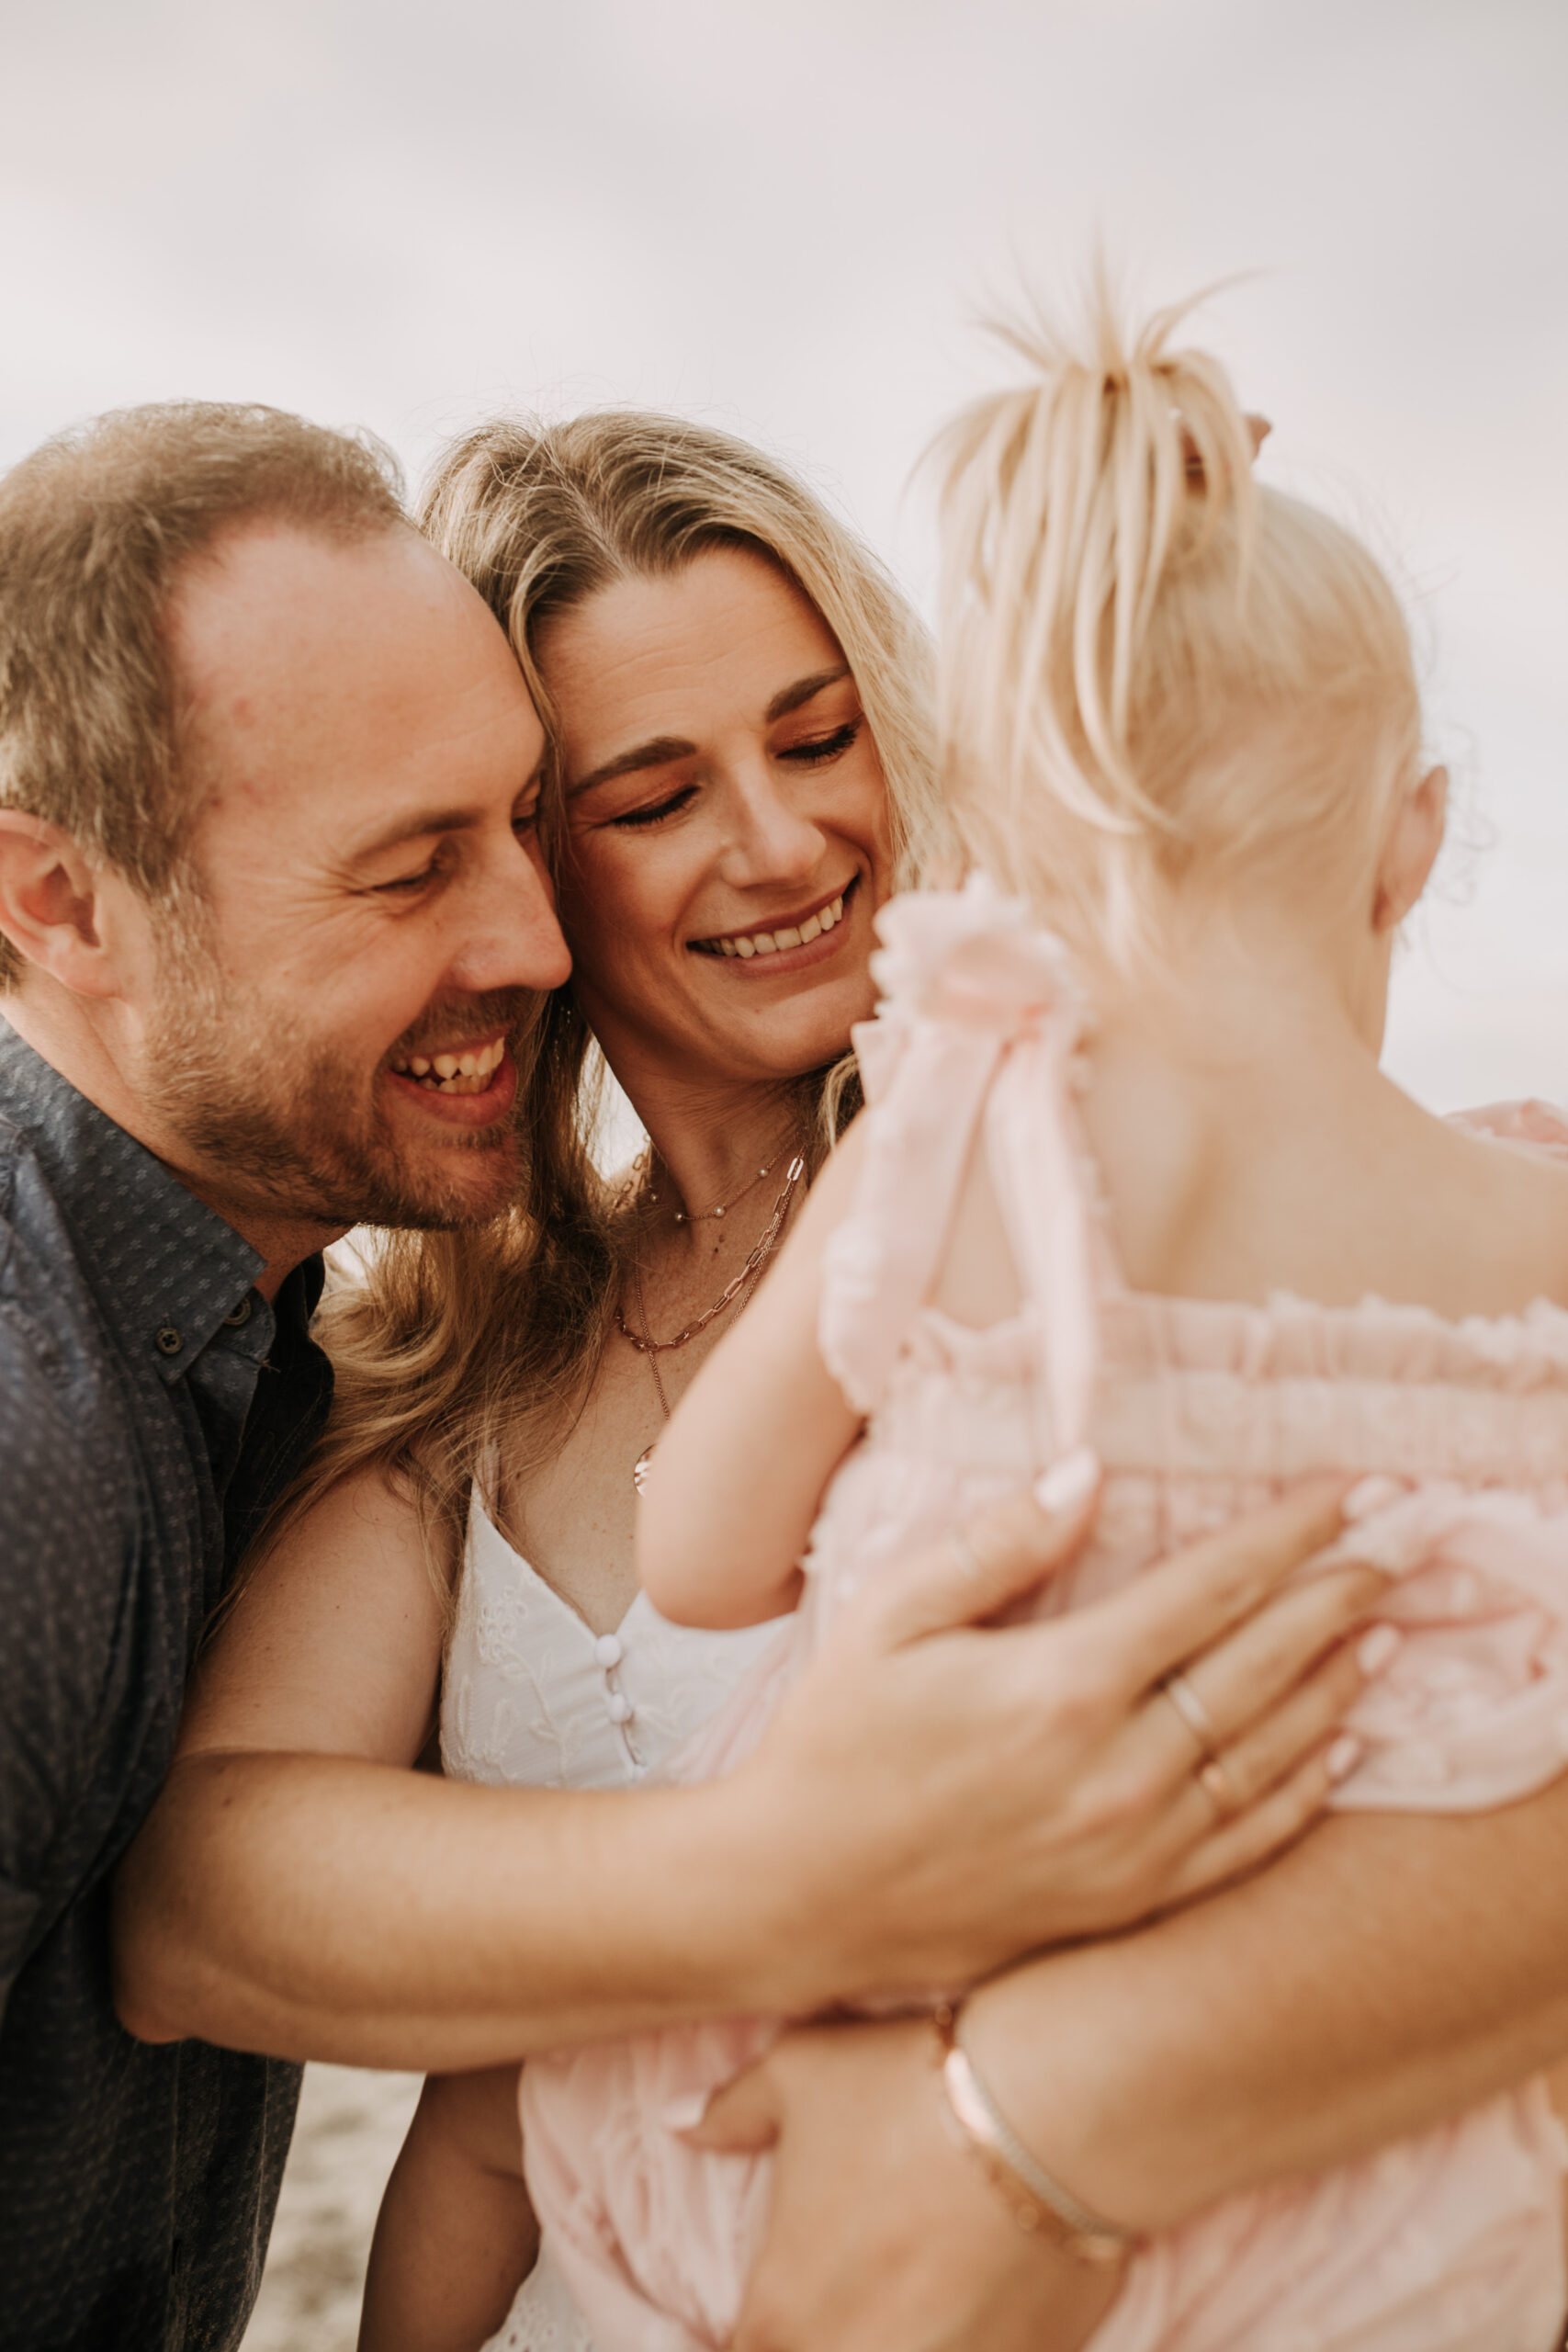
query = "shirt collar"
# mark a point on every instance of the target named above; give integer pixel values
(166, 1271)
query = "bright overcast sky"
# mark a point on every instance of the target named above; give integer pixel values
(784, 216)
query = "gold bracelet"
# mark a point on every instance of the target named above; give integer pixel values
(1040, 2205)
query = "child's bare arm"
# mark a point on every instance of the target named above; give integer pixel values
(456, 2236)
(736, 1477)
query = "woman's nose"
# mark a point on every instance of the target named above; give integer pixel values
(772, 839)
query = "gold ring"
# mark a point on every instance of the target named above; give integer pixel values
(1193, 1713)
(1220, 1789)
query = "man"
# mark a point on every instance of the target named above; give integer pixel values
(240, 703)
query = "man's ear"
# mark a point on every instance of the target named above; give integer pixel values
(1411, 849)
(48, 904)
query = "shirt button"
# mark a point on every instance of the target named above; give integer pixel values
(170, 1341)
(607, 1649)
(241, 1315)
(620, 1707)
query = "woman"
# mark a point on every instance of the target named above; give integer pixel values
(740, 777)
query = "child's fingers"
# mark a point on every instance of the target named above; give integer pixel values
(972, 1572)
(741, 2118)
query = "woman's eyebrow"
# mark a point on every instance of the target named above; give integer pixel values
(652, 754)
(791, 697)
(664, 748)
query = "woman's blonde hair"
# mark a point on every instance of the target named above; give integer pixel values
(456, 1345)
(1149, 661)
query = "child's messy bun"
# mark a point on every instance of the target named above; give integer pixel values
(1148, 661)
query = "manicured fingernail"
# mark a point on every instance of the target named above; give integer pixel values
(1375, 1493)
(1068, 1483)
(684, 2114)
(1375, 1648)
(1344, 1756)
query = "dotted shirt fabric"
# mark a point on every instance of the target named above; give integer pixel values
(151, 1408)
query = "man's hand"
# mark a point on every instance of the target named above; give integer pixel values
(884, 2234)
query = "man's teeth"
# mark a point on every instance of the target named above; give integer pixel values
(769, 943)
(468, 1072)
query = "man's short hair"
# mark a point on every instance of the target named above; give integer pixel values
(94, 529)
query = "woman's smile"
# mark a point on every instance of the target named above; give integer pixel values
(792, 940)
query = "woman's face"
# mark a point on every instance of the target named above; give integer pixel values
(726, 823)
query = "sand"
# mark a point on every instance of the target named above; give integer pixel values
(351, 2127)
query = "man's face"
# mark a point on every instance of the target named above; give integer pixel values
(331, 1040)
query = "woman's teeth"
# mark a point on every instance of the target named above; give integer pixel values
(770, 942)
(468, 1072)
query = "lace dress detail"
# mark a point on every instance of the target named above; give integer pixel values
(1200, 1411)
(543, 2317)
(533, 1698)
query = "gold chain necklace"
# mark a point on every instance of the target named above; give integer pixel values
(740, 1287)
(700, 1216)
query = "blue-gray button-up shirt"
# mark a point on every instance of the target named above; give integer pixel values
(152, 1407)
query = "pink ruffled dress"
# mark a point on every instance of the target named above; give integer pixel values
(1450, 2241)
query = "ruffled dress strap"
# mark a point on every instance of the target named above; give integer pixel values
(976, 1033)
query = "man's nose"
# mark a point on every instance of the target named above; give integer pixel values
(510, 938)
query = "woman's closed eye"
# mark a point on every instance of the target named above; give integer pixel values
(812, 751)
(818, 749)
(652, 812)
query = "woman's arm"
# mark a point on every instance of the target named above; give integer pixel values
(1393, 1970)
(1387, 1972)
(735, 1482)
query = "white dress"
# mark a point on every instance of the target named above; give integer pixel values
(533, 1698)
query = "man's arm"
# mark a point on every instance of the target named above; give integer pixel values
(300, 1890)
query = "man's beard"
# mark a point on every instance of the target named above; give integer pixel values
(293, 1130)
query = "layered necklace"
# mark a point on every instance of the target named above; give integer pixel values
(737, 1290)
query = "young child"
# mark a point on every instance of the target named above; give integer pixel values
(1130, 1180)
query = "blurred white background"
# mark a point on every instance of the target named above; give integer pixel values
(784, 216)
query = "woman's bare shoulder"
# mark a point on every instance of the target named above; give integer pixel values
(333, 1642)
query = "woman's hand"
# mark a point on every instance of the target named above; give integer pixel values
(987, 1791)
(882, 2232)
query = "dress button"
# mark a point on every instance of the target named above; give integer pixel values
(620, 1707)
(607, 1649)
(170, 1341)
(241, 1313)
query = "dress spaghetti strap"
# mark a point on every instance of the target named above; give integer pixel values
(978, 1038)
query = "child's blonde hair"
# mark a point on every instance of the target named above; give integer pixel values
(1149, 661)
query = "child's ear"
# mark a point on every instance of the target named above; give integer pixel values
(1411, 849)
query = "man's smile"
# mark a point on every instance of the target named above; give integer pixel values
(469, 1086)
(457, 1069)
